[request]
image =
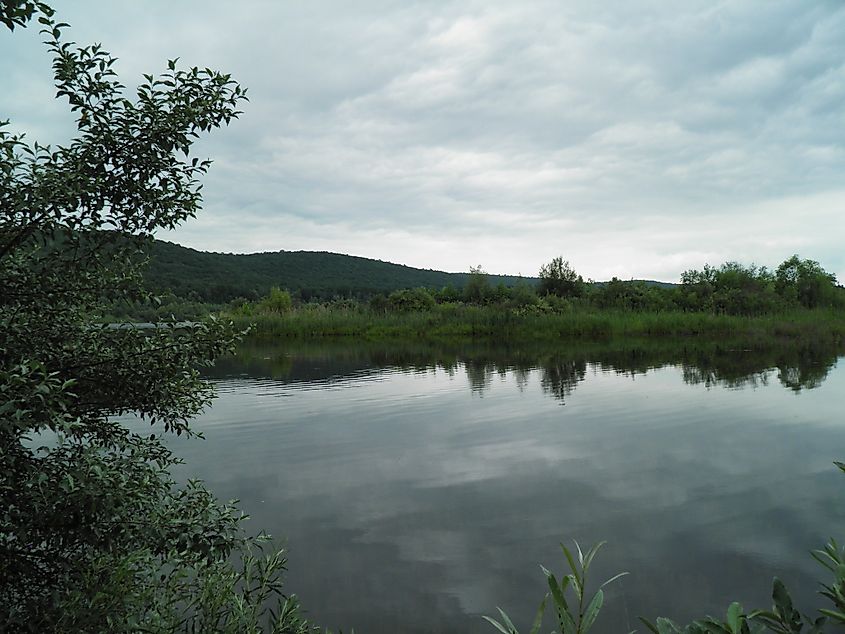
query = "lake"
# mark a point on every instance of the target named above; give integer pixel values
(420, 486)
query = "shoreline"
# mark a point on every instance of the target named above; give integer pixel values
(472, 322)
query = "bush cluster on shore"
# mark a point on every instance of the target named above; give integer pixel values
(798, 299)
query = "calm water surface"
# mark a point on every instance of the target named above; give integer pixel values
(419, 488)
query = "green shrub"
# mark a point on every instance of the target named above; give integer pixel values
(278, 302)
(411, 300)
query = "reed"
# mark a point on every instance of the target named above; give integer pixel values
(482, 322)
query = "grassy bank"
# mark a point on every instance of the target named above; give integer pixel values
(451, 321)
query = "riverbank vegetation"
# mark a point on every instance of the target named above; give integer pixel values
(96, 534)
(798, 299)
(462, 321)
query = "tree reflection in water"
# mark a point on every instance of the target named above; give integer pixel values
(796, 364)
(560, 376)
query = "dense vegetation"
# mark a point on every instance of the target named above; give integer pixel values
(318, 286)
(192, 283)
(343, 319)
(95, 534)
(221, 277)
(798, 299)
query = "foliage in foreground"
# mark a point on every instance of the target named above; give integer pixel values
(577, 618)
(782, 618)
(95, 535)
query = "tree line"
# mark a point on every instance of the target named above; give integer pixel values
(729, 289)
(95, 532)
(217, 278)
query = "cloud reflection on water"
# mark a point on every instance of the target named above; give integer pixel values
(411, 504)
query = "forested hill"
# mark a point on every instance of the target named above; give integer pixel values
(220, 277)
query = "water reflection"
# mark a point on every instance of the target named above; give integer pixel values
(796, 365)
(420, 486)
(561, 375)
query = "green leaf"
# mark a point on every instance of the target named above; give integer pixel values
(557, 589)
(538, 619)
(735, 617)
(591, 554)
(782, 600)
(567, 623)
(580, 554)
(666, 626)
(651, 626)
(834, 614)
(613, 578)
(507, 620)
(592, 612)
(570, 559)
(824, 558)
(497, 625)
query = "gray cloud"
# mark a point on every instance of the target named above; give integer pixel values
(635, 138)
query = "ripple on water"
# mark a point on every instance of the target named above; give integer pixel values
(437, 491)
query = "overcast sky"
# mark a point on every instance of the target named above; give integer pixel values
(635, 138)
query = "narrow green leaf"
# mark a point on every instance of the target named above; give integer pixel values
(557, 593)
(570, 559)
(538, 619)
(834, 614)
(824, 558)
(592, 612)
(507, 620)
(613, 578)
(580, 554)
(496, 624)
(592, 553)
(577, 586)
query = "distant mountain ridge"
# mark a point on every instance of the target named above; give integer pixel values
(221, 277)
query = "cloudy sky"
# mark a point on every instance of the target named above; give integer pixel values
(636, 138)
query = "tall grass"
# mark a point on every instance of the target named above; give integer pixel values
(450, 321)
